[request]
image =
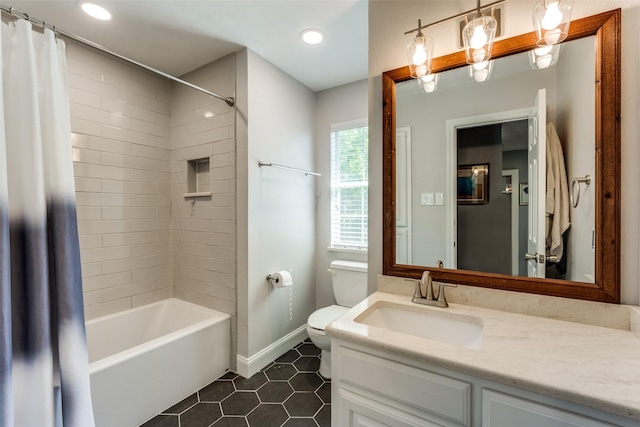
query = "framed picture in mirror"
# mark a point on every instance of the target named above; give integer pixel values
(473, 184)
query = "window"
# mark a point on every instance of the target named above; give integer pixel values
(349, 185)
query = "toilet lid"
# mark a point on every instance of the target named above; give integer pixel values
(321, 318)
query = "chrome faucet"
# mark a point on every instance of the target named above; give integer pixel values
(439, 300)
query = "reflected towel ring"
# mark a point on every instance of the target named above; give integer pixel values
(575, 183)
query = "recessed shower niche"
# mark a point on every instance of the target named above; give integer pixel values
(198, 178)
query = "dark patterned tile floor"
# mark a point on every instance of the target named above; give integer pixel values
(289, 392)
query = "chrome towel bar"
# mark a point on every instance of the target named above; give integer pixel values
(575, 189)
(274, 165)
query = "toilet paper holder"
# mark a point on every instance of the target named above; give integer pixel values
(272, 279)
(280, 279)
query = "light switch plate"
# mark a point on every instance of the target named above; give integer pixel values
(427, 199)
(439, 199)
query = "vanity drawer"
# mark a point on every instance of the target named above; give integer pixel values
(503, 410)
(440, 395)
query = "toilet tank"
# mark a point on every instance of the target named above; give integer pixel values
(349, 282)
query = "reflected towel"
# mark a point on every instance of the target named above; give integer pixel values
(557, 200)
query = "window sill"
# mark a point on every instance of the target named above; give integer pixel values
(347, 250)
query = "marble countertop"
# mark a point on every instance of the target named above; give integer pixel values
(589, 365)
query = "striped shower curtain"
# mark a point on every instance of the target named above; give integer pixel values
(44, 379)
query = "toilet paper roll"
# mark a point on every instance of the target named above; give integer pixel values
(282, 279)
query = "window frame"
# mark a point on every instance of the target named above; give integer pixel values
(337, 127)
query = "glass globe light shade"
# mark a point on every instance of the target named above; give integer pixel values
(421, 70)
(551, 19)
(480, 72)
(419, 55)
(478, 36)
(428, 83)
(544, 57)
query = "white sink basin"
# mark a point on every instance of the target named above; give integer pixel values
(423, 322)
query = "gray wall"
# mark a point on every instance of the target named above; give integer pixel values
(336, 105)
(578, 141)
(276, 208)
(484, 232)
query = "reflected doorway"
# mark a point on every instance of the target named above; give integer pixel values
(492, 234)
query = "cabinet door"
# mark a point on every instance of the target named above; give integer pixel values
(502, 410)
(426, 394)
(359, 411)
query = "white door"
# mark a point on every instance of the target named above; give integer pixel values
(403, 196)
(537, 186)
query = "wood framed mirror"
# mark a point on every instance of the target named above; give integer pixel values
(605, 28)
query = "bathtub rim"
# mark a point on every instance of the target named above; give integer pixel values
(107, 362)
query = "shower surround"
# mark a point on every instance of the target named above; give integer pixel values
(141, 241)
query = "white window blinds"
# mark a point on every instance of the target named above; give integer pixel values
(349, 184)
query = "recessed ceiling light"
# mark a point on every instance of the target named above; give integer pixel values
(312, 36)
(96, 11)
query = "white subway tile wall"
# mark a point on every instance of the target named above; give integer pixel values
(204, 229)
(120, 119)
(133, 133)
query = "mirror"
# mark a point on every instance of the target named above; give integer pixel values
(441, 222)
(480, 146)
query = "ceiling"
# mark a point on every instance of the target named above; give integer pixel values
(179, 36)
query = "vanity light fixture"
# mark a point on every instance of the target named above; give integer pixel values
(478, 36)
(95, 11)
(551, 19)
(312, 36)
(429, 83)
(420, 53)
(478, 44)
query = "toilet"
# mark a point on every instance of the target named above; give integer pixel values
(349, 288)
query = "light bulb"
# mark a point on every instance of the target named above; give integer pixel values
(429, 86)
(428, 78)
(479, 37)
(428, 83)
(542, 50)
(544, 61)
(481, 75)
(480, 65)
(552, 17)
(419, 56)
(479, 55)
(552, 36)
(421, 70)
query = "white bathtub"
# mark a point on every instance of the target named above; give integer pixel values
(144, 360)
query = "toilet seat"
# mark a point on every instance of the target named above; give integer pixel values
(321, 318)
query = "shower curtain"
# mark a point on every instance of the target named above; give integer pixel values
(44, 380)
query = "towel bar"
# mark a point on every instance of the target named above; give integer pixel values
(575, 183)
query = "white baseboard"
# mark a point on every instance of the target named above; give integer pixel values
(248, 367)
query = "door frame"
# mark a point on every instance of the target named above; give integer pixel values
(452, 126)
(515, 218)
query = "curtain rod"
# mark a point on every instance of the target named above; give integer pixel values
(11, 11)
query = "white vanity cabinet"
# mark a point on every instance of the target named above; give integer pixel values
(373, 388)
